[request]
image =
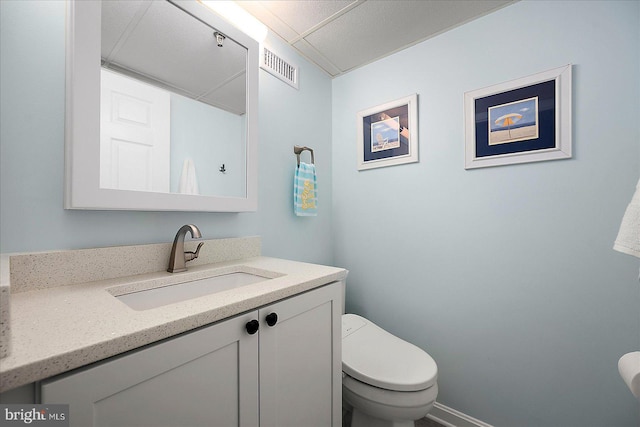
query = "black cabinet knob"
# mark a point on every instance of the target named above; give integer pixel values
(272, 319)
(252, 326)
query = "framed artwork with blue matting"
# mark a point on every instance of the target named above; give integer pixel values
(520, 121)
(388, 134)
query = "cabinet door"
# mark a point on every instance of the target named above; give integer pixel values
(204, 378)
(301, 360)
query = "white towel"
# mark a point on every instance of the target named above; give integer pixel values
(188, 178)
(628, 240)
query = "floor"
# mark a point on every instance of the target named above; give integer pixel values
(424, 422)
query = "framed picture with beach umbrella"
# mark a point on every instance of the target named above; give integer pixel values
(519, 121)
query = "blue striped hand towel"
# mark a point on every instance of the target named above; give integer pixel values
(305, 201)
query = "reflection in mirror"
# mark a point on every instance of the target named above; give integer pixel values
(173, 102)
(159, 116)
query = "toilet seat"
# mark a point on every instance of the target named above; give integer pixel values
(399, 399)
(373, 356)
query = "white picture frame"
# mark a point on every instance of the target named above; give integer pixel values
(545, 135)
(387, 134)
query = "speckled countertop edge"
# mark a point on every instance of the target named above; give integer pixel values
(58, 329)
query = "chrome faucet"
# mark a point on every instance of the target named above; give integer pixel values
(178, 257)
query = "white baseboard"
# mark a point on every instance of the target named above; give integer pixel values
(449, 417)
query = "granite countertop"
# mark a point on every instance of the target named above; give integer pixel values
(60, 328)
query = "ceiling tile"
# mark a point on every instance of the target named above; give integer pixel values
(377, 28)
(343, 35)
(275, 24)
(304, 15)
(115, 18)
(230, 96)
(158, 43)
(308, 51)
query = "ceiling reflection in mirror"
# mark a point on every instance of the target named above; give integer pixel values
(173, 102)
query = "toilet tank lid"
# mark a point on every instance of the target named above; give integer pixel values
(375, 357)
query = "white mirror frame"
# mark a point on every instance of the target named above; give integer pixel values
(82, 121)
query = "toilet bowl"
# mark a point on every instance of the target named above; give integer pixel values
(387, 382)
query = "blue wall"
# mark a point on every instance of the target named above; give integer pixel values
(32, 155)
(504, 275)
(210, 137)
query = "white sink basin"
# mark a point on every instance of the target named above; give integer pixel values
(157, 297)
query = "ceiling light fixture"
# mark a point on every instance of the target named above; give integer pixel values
(239, 17)
(219, 38)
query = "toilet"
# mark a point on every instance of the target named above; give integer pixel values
(386, 382)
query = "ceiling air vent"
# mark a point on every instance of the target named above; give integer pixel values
(280, 68)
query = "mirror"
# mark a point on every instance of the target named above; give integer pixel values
(161, 108)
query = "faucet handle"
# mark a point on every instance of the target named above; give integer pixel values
(190, 256)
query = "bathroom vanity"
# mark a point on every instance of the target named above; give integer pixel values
(266, 353)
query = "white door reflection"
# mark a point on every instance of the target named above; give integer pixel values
(155, 140)
(134, 135)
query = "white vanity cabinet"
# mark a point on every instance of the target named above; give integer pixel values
(287, 374)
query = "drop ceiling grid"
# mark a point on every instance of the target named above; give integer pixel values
(115, 19)
(370, 31)
(316, 57)
(345, 35)
(301, 16)
(170, 35)
(229, 96)
(162, 33)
